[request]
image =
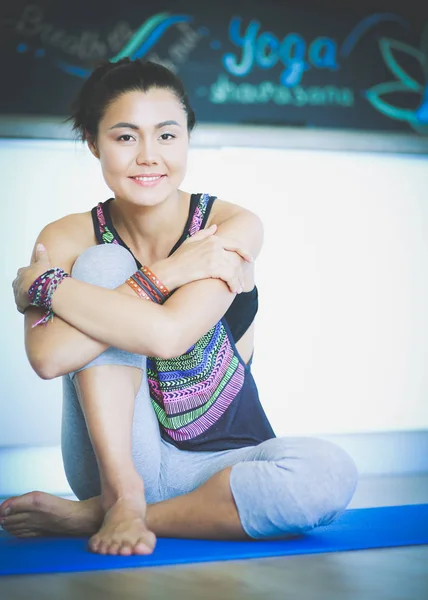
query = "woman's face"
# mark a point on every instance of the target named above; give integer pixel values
(142, 145)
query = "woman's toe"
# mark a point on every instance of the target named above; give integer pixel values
(14, 519)
(141, 547)
(103, 547)
(114, 548)
(94, 543)
(125, 549)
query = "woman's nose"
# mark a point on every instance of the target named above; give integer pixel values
(146, 153)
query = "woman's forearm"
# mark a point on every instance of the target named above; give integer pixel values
(114, 317)
(57, 348)
(60, 348)
(122, 319)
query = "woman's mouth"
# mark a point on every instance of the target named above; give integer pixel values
(147, 180)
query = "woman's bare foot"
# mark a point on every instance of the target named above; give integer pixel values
(124, 530)
(120, 530)
(39, 514)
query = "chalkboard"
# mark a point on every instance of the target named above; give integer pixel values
(306, 65)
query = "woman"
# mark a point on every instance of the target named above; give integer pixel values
(178, 446)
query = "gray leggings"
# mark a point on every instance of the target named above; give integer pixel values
(282, 486)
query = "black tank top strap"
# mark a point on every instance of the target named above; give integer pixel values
(201, 213)
(97, 219)
(103, 232)
(199, 210)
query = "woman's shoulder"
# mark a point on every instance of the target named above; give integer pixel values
(68, 236)
(78, 226)
(223, 210)
(238, 223)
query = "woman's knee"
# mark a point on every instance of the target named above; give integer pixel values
(293, 486)
(324, 466)
(105, 265)
(334, 476)
(326, 479)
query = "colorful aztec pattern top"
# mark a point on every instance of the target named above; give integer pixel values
(206, 399)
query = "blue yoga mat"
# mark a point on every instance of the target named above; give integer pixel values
(357, 529)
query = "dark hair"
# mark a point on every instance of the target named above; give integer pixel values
(109, 80)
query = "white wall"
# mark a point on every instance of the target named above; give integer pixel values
(341, 349)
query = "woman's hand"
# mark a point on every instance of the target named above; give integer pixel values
(26, 275)
(202, 256)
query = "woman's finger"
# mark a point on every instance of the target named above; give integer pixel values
(232, 279)
(202, 234)
(231, 246)
(245, 255)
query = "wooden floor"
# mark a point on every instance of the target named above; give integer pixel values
(387, 574)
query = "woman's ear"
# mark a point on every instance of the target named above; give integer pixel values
(92, 146)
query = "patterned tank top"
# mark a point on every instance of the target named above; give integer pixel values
(206, 399)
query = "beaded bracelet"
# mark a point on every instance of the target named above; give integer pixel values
(148, 286)
(42, 290)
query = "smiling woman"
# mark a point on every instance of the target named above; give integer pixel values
(148, 115)
(163, 431)
(149, 149)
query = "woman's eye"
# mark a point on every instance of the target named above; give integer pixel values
(167, 136)
(125, 135)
